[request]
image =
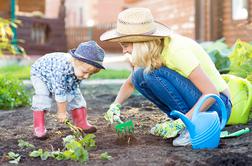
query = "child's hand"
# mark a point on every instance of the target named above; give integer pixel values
(62, 116)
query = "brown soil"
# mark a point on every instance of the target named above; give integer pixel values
(138, 149)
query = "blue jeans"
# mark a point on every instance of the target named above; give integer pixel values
(169, 90)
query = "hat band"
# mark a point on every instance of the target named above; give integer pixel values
(146, 33)
(135, 23)
(80, 57)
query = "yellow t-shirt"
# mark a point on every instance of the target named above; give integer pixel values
(183, 55)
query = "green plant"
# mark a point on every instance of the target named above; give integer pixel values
(88, 142)
(40, 153)
(12, 93)
(241, 60)
(25, 144)
(105, 156)
(218, 52)
(6, 35)
(75, 151)
(76, 147)
(14, 157)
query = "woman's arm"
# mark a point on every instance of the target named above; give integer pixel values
(125, 91)
(204, 84)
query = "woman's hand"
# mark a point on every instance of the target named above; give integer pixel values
(168, 129)
(113, 114)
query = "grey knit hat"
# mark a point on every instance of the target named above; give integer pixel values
(89, 52)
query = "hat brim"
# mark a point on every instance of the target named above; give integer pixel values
(160, 32)
(88, 61)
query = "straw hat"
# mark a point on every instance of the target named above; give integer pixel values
(136, 25)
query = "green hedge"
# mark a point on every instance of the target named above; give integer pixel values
(13, 94)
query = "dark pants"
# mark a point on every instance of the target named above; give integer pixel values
(169, 91)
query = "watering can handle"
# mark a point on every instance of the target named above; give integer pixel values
(220, 103)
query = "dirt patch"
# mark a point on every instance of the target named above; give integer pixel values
(138, 149)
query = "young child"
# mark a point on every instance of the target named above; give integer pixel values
(58, 75)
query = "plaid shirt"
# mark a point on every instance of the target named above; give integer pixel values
(57, 72)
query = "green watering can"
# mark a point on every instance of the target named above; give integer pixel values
(241, 97)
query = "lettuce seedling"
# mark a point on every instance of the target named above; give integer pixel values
(14, 157)
(105, 156)
(25, 144)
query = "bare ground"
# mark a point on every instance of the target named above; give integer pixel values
(141, 149)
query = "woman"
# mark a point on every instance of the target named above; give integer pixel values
(170, 70)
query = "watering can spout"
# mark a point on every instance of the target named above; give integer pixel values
(189, 125)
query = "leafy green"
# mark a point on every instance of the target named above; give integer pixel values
(12, 93)
(25, 144)
(241, 60)
(40, 153)
(216, 45)
(88, 141)
(241, 97)
(218, 52)
(105, 156)
(44, 155)
(220, 60)
(14, 157)
(74, 149)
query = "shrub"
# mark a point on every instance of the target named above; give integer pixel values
(12, 93)
(6, 34)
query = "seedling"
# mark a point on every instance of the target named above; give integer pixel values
(24, 144)
(74, 149)
(14, 157)
(105, 156)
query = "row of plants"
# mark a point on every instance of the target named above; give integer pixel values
(76, 147)
(236, 63)
(236, 60)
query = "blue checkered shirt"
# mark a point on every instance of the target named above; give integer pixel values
(56, 70)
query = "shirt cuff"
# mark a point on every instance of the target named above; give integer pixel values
(61, 98)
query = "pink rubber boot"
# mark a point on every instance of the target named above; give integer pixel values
(39, 129)
(80, 120)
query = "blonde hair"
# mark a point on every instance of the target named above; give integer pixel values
(148, 54)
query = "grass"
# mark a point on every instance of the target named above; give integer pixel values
(16, 71)
(23, 73)
(111, 74)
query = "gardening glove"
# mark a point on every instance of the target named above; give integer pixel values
(168, 129)
(113, 114)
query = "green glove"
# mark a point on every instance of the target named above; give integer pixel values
(113, 114)
(168, 129)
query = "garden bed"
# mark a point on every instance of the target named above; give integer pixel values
(141, 149)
